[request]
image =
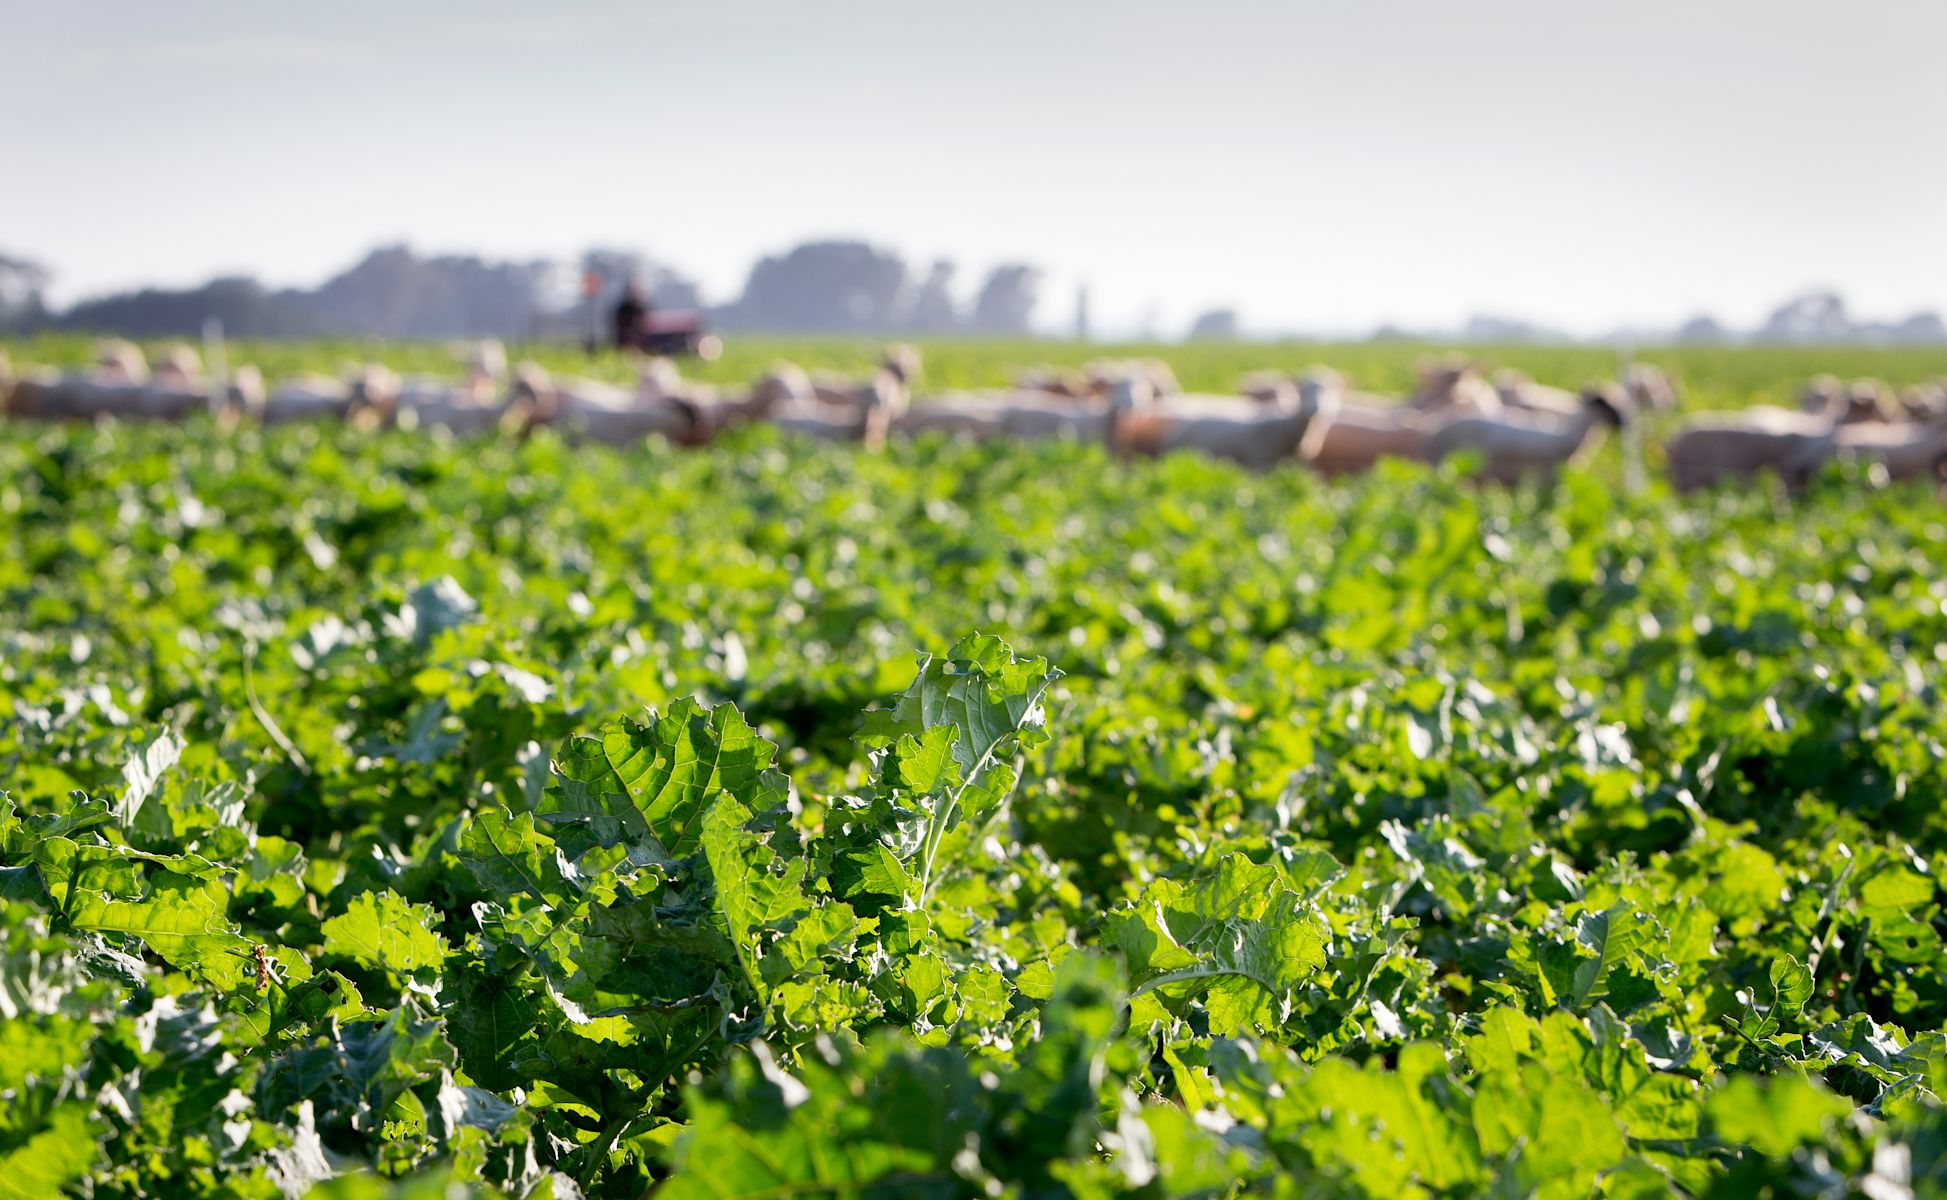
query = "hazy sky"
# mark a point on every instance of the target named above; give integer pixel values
(1319, 165)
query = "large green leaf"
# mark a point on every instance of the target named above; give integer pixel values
(47, 1163)
(383, 931)
(187, 928)
(761, 1130)
(944, 751)
(1236, 936)
(143, 773)
(659, 776)
(510, 857)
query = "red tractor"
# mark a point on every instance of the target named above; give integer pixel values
(678, 332)
(636, 326)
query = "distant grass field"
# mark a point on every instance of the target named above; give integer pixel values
(1710, 376)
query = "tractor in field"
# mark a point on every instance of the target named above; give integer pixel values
(677, 332)
(634, 325)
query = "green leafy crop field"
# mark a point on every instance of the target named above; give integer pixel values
(387, 815)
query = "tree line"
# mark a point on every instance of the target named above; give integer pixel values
(815, 287)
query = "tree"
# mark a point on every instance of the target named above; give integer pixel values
(1217, 325)
(1703, 330)
(1006, 301)
(21, 284)
(393, 292)
(820, 287)
(1921, 328)
(246, 308)
(1489, 328)
(934, 309)
(1814, 317)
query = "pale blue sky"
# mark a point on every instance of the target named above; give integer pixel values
(1320, 165)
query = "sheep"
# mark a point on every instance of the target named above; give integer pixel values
(366, 397)
(374, 397)
(823, 423)
(1258, 438)
(82, 397)
(788, 398)
(1275, 387)
(176, 390)
(1924, 401)
(178, 387)
(169, 396)
(866, 422)
(108, 389)
(659, 382)
(1862, 401)
(478, 403)
(1261, 394)
(23, 393)
(1032, 417)
(485, 359)
(243, 396)
(600, 411)
(1094, 380)
(533, 398)
(1517, 390)
(1160, 376)
(1030, 414)
(1523, 441)
(961, 417)
(882, 388)
(889, 385)
(886, 397)
(306, 398)
(1053, 381)
(1861, 429)
(1351, 438)
(461, 411)
(180, 369)
(39, 392)
(1714, 447)
(1453, 384)
(119, 361)
(903, 360)
(1871, 401)
(1100, 376)
(1263, 387)
(785, 385)
(1649, 389)
(1909, 450)
(1354, 430)
(659, 385)
(1270, 387)
(1822, 394)
(1101, 421)
(1263, 402)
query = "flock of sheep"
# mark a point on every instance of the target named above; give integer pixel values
(1515, 426)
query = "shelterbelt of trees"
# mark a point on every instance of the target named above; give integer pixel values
(395, 292)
